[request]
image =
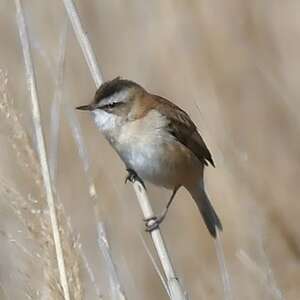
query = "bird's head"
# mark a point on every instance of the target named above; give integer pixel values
(114, 97)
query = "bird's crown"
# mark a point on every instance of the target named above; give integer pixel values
(112, 87)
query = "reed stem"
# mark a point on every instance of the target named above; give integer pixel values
(32, 87)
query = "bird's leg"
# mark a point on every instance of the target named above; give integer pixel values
(132, 176)
(156, 221)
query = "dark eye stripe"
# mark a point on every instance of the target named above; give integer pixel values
(111, 105)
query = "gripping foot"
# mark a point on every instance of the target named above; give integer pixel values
(153, 223)
(132, 176)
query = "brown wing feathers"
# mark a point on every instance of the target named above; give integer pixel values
(184, 130)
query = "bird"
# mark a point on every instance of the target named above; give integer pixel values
(157, 141)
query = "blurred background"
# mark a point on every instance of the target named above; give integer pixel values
(234, 67)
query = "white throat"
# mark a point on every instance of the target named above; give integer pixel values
(108, 124)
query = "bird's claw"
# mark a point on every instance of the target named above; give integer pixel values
(132, 176)
(152, 223)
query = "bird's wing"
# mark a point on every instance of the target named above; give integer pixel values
(184, 130)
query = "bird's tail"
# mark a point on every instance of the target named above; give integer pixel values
(207, 211)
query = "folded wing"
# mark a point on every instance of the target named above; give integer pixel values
(184, 130)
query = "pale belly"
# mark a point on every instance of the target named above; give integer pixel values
(163, 162)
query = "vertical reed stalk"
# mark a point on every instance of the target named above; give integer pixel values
(223, 268)
(32, 87)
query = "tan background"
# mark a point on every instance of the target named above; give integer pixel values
(234, 67)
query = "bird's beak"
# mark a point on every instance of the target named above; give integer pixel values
(89, 107)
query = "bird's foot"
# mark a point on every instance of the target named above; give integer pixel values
(153, 223)
(132, 176)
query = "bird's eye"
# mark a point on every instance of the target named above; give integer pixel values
(111, 105)
(108, 106)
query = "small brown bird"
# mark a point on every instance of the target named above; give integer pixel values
(156, 140)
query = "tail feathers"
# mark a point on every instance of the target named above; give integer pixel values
(208, 213)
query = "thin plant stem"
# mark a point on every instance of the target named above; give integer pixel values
(116, 288)
(174, 286)
(84, 42)
(155, 265)
(32, 87)
(56, 104)
(223, 268)
(260, 273)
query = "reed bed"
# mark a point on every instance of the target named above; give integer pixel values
(234, 68)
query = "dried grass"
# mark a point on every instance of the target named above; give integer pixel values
(33, 215)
